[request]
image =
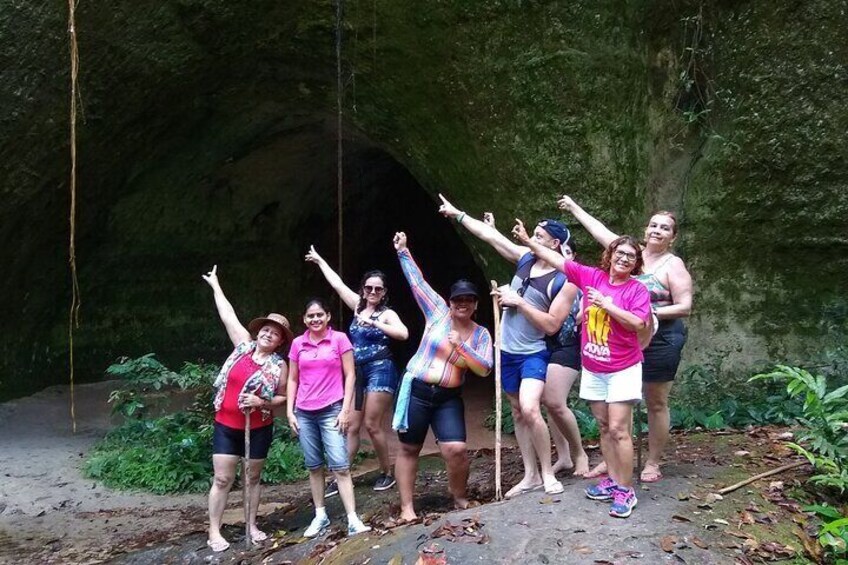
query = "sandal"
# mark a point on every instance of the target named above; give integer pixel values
(521, 489)
(651, 474)
(554, 487)
(218, 546)
(258, 536)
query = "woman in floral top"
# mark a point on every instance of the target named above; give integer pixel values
(252, 380)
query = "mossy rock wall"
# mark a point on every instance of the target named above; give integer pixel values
(209, 136)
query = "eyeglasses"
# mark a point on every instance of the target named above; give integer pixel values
(625, 255)
(373, 289)
(524, 284)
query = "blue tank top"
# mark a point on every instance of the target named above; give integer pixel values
(369, 342)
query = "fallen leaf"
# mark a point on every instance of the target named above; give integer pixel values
(742, 453)
(679, 518)
(745, 517)
(721, 521)
(397, 559)
(682, 496)
(713, 497)
(699, 542)
(583, 550)
(667, 543)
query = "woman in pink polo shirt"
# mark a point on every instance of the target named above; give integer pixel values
(320, 396)
(616, 310)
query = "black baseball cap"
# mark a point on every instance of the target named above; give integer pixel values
(464, 287)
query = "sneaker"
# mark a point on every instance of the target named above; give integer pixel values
(624, 501)
(317, 526)
(601, 491)
(384, 482)
(356, 527)
(331, 490)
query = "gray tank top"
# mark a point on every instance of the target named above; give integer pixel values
(519, 336)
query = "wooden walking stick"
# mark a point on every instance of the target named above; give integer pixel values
(498, 409)
(245, 479)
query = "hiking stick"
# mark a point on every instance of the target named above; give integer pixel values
(639, 442)
(497, 314)
(245, 479)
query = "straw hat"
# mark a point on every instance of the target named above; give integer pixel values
(255, 325)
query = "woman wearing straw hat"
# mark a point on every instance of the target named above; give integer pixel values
(253, 378)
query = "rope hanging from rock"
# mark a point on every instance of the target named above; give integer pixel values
(73, 314)
(339, 148)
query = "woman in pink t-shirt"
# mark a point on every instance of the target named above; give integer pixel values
(320, 396)
(616, 309)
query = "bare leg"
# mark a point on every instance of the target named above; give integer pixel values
(659, 422)
(255, 478)
(224, 467)
(377, 406)
(530, 397)
(565, 432)
(316, 485)
(601, 413)
(619, 456)
(456, 460)
(353, 429)
(531, 477)
(406, 468)
(345, 482)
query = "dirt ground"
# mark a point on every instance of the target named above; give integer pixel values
(49, 513)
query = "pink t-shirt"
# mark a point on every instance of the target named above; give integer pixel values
(320, 376)
(606, 346)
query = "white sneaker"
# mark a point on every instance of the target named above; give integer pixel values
(317, 526)
(356, 527)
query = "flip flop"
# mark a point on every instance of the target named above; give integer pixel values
(554, 487)
(258, 536)
(518, 490)
(218, 546)
(650, 476)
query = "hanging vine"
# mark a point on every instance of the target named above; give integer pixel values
(73, 313)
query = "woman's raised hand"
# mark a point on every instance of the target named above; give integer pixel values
(447, 209)
(312, 256)
(212, 276)
(399, 241)
(489, 219)
(566, 203)
(519, 232)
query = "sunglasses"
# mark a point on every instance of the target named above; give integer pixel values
(373, 289)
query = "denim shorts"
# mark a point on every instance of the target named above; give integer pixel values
(380, 375)
(515, 366)
(230, 441)
(319, 438)
(436, 406)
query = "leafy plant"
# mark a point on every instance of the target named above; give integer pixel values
(833, 533)
(824, 423)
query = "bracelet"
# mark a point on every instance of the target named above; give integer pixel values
(460, 218)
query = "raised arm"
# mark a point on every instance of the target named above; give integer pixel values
(546, 254)
(427, 298)
(680, 286)
(486, 231)
(237, 332)
(598, 230)
(348, 296)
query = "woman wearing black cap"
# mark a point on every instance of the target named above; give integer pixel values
(536, 303)
(252, 378)
(430, 393)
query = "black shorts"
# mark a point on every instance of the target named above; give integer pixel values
(567, 355)
(436, 406)
(662, 356)
(230, 441)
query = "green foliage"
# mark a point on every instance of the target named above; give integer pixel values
(173, 453)
(824, 423)
(833, 533)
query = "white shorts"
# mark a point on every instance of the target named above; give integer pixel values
(622, 386)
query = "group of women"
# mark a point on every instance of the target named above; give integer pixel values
(561, 319)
